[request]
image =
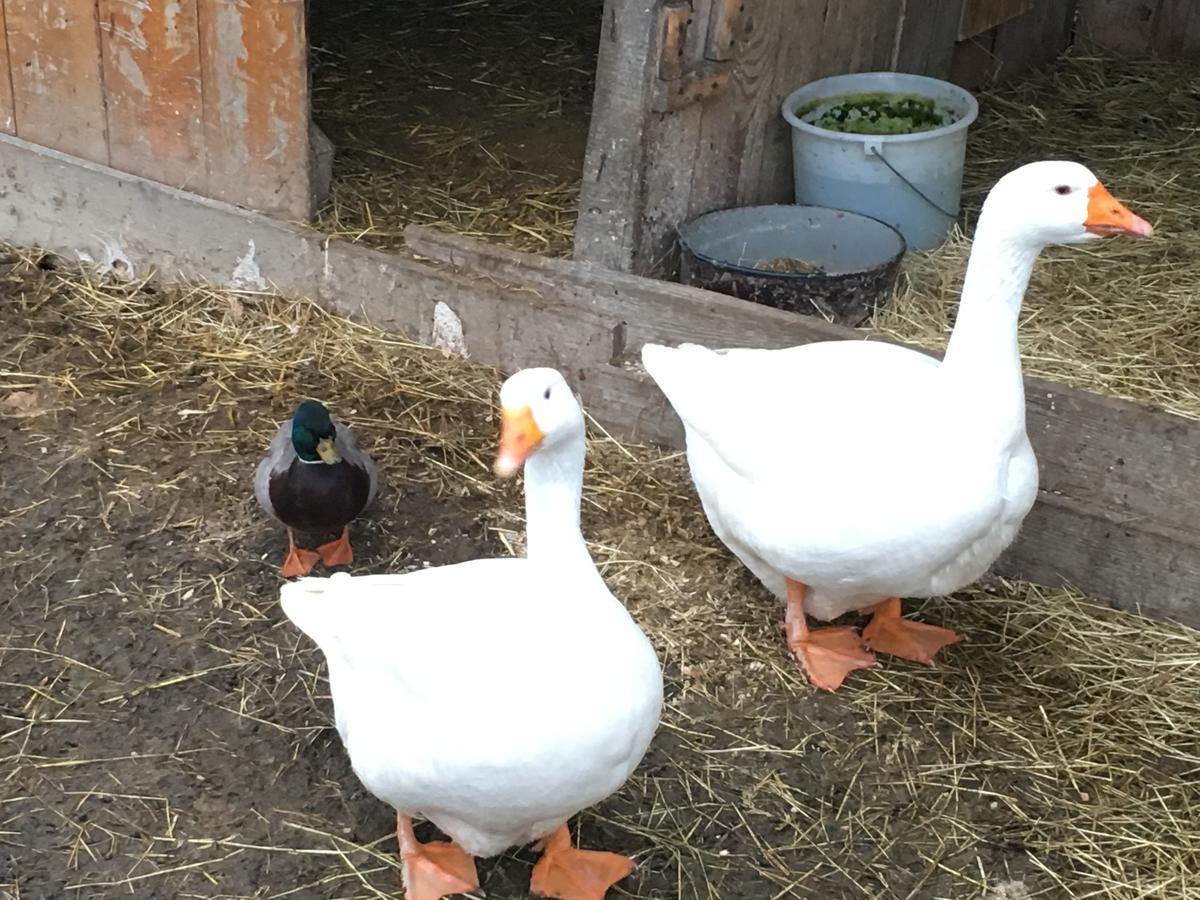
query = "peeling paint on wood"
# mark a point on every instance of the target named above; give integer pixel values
(151, 52)
(256, 104)
(8, 119)
(57, 82)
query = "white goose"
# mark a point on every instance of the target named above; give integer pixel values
(496, 697)
(848, 474)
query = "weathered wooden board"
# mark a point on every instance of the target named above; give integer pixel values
(927, 36)
(1035, 39)
(151, 53)
(1119, 515)
(8, 119)
(57, 80)
(1166, 28)
(1026, 42)
(256, 104)
(979, 16)
(611, 190)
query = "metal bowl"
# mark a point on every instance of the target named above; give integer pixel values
(856, 258)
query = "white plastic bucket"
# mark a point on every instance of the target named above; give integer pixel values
(912, 182)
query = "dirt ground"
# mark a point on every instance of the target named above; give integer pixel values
(167, 733)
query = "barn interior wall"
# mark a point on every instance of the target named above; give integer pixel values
(730, 146)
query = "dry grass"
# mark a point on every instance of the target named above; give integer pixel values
(168, 734)
(1123, 319)
(467, 115)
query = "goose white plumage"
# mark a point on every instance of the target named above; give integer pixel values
(848, 474)
(496, 697)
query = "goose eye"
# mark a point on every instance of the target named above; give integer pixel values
(1062, 190)
(547, 394)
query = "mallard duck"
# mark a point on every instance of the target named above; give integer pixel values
(422, 666)
(848, 474)
(315, 478)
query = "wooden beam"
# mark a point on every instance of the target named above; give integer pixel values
(609, 205)
(57, 81)
(1118, 515)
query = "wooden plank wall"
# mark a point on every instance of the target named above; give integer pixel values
(1169, 29)
(649, 169)
(1029, 41)
(210, 96)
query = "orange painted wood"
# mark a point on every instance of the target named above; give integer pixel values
(256, 104)
(57, 82)
(151, 54)
(8, 119)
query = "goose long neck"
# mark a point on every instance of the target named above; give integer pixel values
(985, 332)
(553, 493)
(983, 359)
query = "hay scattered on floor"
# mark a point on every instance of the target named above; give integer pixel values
(1053, 754)
(471, 116)
(1122, 318)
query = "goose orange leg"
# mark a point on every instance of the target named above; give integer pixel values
(337, 552)
(435, 870)
(568, 873)
(889, 632)
(298, 560)
(827, 655)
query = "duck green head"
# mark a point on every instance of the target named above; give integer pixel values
(313, 434)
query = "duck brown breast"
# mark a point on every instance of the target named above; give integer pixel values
(319, 497)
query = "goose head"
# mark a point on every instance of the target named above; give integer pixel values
(538, 411)
(1056, 202)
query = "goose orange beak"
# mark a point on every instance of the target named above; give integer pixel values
(1108, 215)
(519, 436)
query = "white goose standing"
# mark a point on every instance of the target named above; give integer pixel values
(848, 474)
(496, 697)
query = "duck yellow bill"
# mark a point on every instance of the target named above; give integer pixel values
(327, 451)
(1108, 215)
(519, 435)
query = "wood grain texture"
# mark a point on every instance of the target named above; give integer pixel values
(57, 78)
(1119, 515)
(256, 104)
(8, 118)
(151, 53)
(1164, 28)
(1035, 39)
(611, 191)
(979, 16)
(928, 34)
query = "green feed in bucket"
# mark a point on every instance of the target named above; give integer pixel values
(876, 113)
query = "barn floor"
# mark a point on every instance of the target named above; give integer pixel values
(167, 733)
(468, 115)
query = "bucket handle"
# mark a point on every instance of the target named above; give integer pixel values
(875, 148)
